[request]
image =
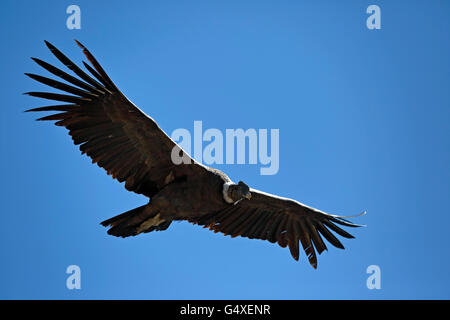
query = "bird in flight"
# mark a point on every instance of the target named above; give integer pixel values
(132, 148)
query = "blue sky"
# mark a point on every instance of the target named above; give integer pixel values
(363, 118)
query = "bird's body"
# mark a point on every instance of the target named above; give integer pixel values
(131, 147)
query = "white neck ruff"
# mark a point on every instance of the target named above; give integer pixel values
(226, 186)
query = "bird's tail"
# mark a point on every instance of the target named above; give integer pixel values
(142, 219)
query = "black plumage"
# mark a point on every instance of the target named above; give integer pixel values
(131, 147)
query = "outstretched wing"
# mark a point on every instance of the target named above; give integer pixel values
(281, 220)
(109, 128)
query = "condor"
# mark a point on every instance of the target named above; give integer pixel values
(132, 148)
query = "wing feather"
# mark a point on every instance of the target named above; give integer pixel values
(278, 220)
(293, 234)
(305, 239)
(315, 237)
(328, 235)
(110, 129)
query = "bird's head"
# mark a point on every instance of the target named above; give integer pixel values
(239, 191)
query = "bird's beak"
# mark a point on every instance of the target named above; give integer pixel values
(248, 196)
